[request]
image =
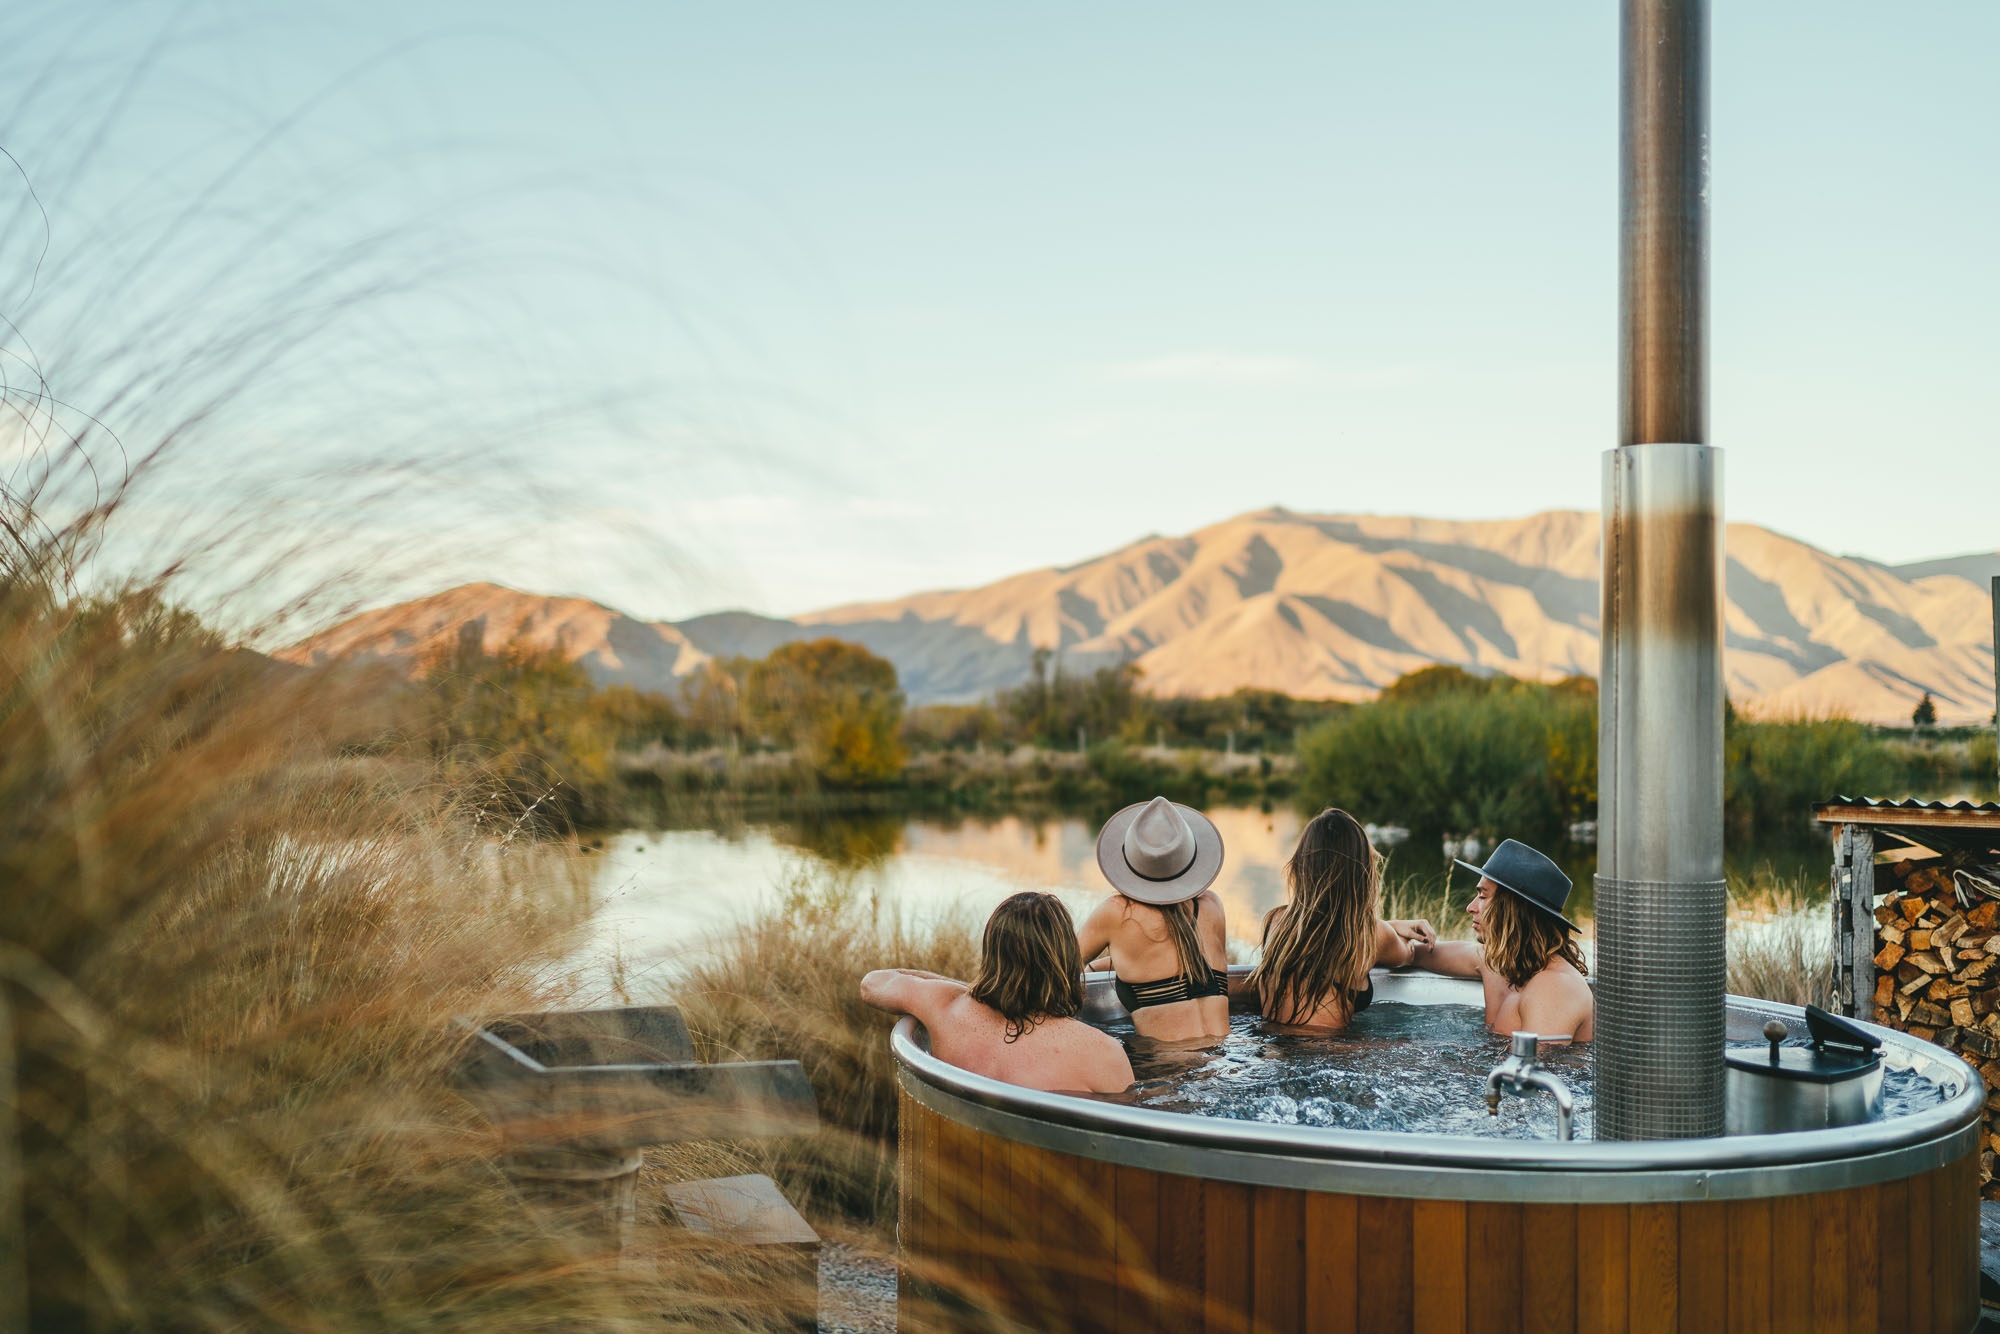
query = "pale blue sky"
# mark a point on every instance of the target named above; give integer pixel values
(852, 299)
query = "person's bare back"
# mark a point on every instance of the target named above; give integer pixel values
(1057, 1055)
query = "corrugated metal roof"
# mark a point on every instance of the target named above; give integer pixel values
(1911, 804)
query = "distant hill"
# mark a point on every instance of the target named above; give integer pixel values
(1321, 606)
(613, 647)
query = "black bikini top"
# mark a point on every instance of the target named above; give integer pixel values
(1169, 990)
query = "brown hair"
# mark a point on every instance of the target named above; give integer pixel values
(1521, 939)
(1179, 918)
(1029, 968)
(1323, 945)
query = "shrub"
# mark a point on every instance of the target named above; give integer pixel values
(1508, 760)
(1775, 771)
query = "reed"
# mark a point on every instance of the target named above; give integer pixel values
(786, 986)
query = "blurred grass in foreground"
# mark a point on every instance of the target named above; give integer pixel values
(229, 952)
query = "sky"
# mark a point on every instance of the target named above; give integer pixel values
(781, 305)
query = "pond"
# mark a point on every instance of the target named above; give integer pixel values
(659, 894)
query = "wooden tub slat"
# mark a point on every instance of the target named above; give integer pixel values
(1183, 1243)
(1703, 1282)
(1386, 1283)
(1747, 1266)
(1655, 1269)
(1917, 1227)
(1277, 1268)
(1603, 1267)
(1832, 1255)
(1493, 1251)
(1137, 1245)
(1439, 1274)
(1226, 1207)
(1548, 1268)
(1332, 1261)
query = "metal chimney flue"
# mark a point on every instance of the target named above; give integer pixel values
(1660, 893)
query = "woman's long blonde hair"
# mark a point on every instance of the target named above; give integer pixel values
(1324, 943)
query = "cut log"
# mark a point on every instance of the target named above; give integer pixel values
(1915, 984)
(1904, 1004)
(1976, 1040)
(1886, 915)
(1920, 939)
(1922, 1034)
(1930, 1016)
(1930, 963)
(1984, 917)
(1985, 1001)
(1891, 933)
(1885, 991)
(1961, 1013)
(1953, 927)
(1888, 956)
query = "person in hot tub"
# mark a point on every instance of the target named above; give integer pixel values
(1163, 932)
(1015, 1021)
(1527, 954)
(1321, 942)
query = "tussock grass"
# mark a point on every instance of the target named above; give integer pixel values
(228, 956)
(786, 986)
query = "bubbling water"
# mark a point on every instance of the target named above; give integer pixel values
(1415, 1069)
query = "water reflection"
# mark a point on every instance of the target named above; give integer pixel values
(662, 894)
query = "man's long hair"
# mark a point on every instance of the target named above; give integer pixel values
(1029, 967)
(1323, 946)
(1521, 939)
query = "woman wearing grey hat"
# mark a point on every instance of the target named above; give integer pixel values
(1163, 928)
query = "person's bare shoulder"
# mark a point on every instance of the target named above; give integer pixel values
(1556, 1001)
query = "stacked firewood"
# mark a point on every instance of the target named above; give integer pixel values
(1938, 977)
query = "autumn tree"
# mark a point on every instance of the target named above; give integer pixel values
(1925, 714)
(835, 703)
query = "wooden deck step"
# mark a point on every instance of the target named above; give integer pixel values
(750, 1211)
(747, 1210)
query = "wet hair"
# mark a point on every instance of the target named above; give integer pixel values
(1521, 939)
(1323, 945)
(1029, 967)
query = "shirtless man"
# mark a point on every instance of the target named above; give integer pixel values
(1527, 955)
(1014, 1022)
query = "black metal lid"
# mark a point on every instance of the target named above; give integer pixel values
(1840, 1049)
(1810, 1065)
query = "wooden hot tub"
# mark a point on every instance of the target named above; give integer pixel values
(1072, 1214)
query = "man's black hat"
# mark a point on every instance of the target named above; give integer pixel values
(1527, 874)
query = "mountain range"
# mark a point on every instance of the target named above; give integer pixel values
(1324, 606)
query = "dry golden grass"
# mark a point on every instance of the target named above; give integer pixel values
(786, 986)
(229, 952)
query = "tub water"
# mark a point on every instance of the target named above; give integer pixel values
(1415, 1069)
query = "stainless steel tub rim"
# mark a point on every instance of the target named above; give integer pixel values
(1379, 1162)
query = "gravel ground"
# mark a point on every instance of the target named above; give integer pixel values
(857, 1292)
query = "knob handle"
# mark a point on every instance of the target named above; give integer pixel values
(1775, 1032)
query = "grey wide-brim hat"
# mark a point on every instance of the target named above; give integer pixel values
(1159, 851)
(1527, 874)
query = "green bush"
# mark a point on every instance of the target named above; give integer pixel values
(1510, 759)
(1773, 772)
